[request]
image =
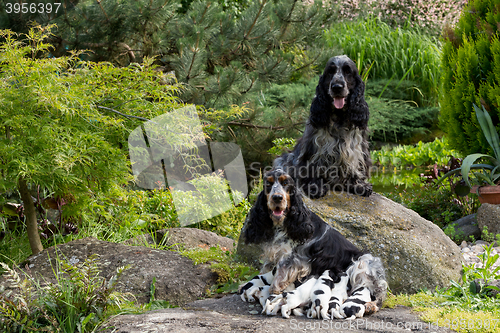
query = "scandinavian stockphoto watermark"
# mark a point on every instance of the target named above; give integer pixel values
(380, 325)
(171, 151)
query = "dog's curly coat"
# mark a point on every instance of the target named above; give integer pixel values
(333, 152)
(297, 243)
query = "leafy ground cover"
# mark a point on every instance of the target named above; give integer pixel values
(466, 306)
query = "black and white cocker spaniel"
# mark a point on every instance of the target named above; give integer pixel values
(299, 245)
(333, 151)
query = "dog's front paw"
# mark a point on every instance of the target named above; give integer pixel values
(368, 190)
(362, 189)
(273, 305)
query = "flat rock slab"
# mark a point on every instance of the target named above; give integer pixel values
(231, 314)
(178, 280)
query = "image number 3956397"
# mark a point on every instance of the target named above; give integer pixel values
(32, 8)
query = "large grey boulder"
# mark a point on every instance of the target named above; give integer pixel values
(178, 280)
(488, 215)
(415, 252)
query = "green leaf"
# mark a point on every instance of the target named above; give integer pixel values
(474, 287)
(489, 130)
(467, 164)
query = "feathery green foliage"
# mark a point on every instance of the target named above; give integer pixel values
(65, 121)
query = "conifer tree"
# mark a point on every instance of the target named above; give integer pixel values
(471, 75)
(219, 52)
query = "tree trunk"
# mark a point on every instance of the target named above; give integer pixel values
(30, 214)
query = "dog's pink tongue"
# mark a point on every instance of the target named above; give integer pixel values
(339, 102)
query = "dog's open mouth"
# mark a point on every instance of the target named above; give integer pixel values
(278, 212)
(339, 102)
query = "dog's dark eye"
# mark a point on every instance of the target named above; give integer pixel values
(285, 182)
(333, 68)
(347, 69)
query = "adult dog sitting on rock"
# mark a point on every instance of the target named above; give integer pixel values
(333, 152)
(299, 245)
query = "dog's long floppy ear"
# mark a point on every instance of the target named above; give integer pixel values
(358, 112)
(259, 226)
(298, 224)
(321, 105)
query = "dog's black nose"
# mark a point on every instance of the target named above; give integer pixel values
(337, 86)
(277, 198)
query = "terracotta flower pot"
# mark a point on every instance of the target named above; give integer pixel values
(488, 194)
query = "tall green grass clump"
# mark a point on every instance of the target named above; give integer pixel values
(383, 52)
(79, 301)
(470, 75)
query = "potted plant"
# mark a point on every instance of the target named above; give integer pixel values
(484, 178)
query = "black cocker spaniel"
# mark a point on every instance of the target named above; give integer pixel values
(298, 244)
(333, 152)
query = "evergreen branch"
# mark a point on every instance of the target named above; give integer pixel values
(308, 64)
(195, 53)
(287, 21)
(272, 128)
(255, 20)
(204, 12)
(245, 91)
(105, 14)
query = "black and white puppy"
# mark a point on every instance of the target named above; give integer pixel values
(300, 297)
(320, 296)
(338, 296)
(366, 282)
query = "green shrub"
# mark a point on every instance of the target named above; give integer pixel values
(282, 145)
(470, 75)
(421, 154)
(395, 120)
(436, 205)
(388, 53)
(277, 112)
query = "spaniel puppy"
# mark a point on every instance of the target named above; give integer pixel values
(320, 296)
(298, 298)
(298, 243)
(338, 296)
(253, 289)
(333, 151)
(366, 282)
